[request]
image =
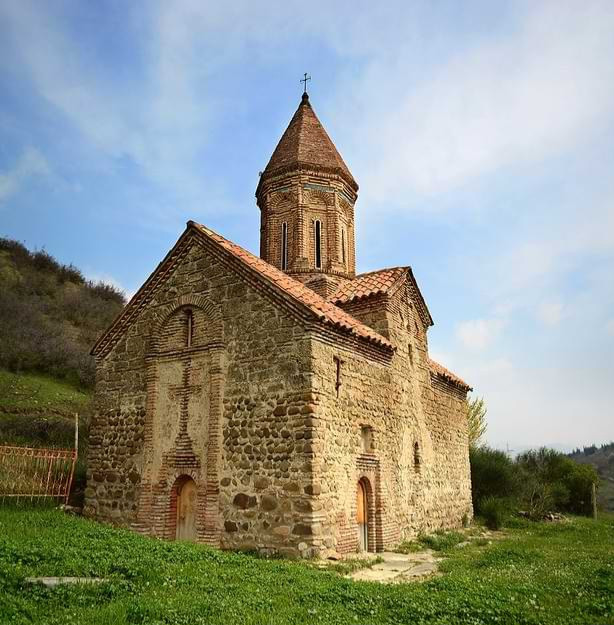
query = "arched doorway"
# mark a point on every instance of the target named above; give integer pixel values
(185, 489)
(362, 516)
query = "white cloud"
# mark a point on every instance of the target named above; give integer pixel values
(515, 98)
(158, 120)
(31, 163)
(550, 312)
(478, 334)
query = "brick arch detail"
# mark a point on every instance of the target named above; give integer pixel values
(381, 529)
(210, 308)
(157, 504)
(178, 478)
(372, 511)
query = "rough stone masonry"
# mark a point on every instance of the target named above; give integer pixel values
(284, 403)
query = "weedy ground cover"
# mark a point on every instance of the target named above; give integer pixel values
(37, 392)
(38, 411)
(540, 573)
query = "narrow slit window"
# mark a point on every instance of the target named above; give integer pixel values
(318, 233)
(366, 439)
(284, 246)
(338, 363)
(343, 245)
(417, 458)
(189, 328)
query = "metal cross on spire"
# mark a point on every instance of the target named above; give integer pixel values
(304, 80)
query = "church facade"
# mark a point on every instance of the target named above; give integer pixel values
(283, 403)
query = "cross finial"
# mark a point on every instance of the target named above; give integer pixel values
(304, 80)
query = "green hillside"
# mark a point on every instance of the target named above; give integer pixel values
(50, 314)
(602, 458)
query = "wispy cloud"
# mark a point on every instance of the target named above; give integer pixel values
(478, 334)
(157, 119)
(30, 164)
(550, 312)
(513, 99)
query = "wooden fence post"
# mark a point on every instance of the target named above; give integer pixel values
(74, 459)
(594, 500)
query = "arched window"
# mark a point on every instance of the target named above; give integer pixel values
(189, 327)
(284, 246)
(417, 459)
(343, 245)
(318, 241)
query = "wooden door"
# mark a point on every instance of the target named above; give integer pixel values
(186, 510)
(362, 517)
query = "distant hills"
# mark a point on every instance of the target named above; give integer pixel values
(50, 314)
(602, 458)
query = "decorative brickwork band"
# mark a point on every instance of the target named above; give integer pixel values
(184, 395)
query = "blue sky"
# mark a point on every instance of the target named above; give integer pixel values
(481, 135)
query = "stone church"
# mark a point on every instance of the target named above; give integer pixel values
(283, 403)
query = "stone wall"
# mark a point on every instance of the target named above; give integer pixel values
(211, 377)
(233, 411)
(417, 469)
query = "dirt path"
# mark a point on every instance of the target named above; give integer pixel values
(399, 567)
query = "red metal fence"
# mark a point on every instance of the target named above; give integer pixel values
(30, 472)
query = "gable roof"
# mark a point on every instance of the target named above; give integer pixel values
(367, 284)
(324, 311)
(448, 376)
(305, 142)
(382, 281)
(311, 304)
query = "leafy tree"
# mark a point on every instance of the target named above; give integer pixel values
(476, 416)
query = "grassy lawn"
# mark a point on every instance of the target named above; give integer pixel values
(37, 410)
(30, 390)
(559, 573)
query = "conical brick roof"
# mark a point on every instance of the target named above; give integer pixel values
(306, 143)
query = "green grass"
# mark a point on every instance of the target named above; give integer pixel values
(543, 573)
(410, 546)
(350, 565)
(38, 411)
(39, 392)
(441, 540)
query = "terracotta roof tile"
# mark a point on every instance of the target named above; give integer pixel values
(448, 375)
(366, 284)
(305, 142)
(325, 311)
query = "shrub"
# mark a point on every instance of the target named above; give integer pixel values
(540, 481)
(553, 481)
(579, 481)
(495, 511)
(493, 474)
(537, 497)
